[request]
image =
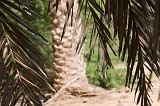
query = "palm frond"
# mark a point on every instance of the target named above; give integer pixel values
(136, 24)
(20, 75)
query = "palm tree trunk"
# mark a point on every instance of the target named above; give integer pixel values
(67, 63)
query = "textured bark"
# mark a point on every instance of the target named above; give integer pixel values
(67, 64)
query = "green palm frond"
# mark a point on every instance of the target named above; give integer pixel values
(136, 24)
(21, 78)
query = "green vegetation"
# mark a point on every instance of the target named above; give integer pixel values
(115, 76)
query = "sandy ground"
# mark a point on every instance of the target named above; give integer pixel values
(114, 97)
(102, 97)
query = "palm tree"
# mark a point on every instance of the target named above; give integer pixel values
(21, 77)
(68, 64)
(136, 24)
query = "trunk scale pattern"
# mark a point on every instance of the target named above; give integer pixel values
(67, 63)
